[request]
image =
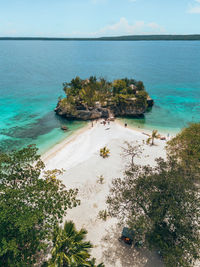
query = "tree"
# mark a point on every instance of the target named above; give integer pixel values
(70, 248)
(162, 207)
(186, 148)
(93, 79)
(129, 81)
(141, 99)
(131, 151)
(88, 94)
(140, 86)
(73, 87)
(32, 202)
(118, 86)
(151, 138)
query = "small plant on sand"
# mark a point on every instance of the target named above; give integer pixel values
(151, 138)
(100, 179)
(103, 215)
(104, 152)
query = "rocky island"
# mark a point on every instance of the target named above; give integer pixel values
(92, 99)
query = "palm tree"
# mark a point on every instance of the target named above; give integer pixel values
(92, 263)
(104, 152)
(69, 247)
(151, 138)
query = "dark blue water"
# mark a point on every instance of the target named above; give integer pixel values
(32, 73)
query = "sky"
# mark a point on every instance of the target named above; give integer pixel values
(95, 18)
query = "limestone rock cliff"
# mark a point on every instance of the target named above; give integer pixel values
(80, 112)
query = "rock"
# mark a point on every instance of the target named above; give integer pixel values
(64, 128)
(150, 102)
(81, 112)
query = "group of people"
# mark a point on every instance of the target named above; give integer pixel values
(107, 121)
(104, 122)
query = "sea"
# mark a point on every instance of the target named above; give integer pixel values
(32, 74)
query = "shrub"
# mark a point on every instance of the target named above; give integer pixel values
(104, 152)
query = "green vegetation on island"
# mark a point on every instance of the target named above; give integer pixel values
(93, 99)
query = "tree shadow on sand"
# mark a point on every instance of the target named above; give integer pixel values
(116, 253)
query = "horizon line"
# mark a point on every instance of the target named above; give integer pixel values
(139, 37)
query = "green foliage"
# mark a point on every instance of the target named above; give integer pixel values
(104, 152)
(129, 81)
(162, 206)
(152, 137)
(91, 90)
(120, 99)
(140, 86)
(70, 248)
(186, 148)
(32, 202)
(103, 215)
(141, 99)
(93, 79)
(92, 263)
(64, 102)
(68, 104)
(118, 86)
(73, 87)
(88, 95)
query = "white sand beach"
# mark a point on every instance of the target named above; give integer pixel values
(79, 156)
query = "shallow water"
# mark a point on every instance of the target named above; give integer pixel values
(32, 73)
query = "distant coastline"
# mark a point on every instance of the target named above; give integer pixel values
(189, 37)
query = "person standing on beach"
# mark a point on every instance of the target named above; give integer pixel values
(125, 124)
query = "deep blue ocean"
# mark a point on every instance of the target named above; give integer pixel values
(32, 73)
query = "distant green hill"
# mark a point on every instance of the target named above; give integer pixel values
(192, 37)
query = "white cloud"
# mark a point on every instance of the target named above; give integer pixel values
(123, 27)
(154, 25)
(194, 9)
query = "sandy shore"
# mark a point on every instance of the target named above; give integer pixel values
(79, 156)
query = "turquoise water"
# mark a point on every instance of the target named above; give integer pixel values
(32, 73)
